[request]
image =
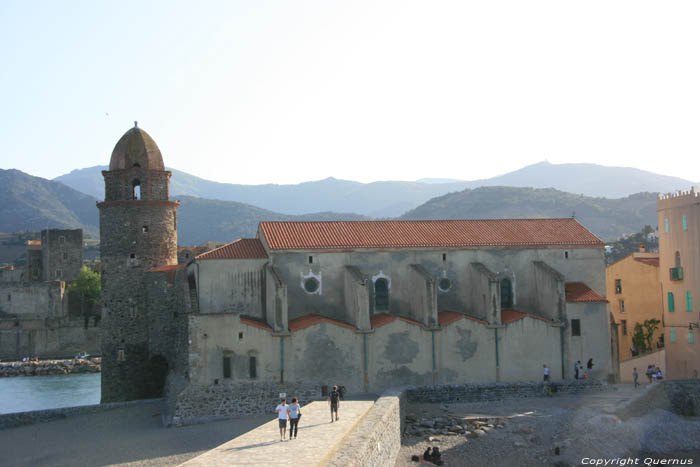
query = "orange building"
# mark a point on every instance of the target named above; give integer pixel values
(634, 292)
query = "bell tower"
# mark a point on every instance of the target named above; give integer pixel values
(138, 232)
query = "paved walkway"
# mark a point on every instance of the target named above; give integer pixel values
(317, 439)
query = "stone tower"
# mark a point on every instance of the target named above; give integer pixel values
(138, 232)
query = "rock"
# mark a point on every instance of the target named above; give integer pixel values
(526, 429)
(520, 444)
(433, 438)
(480, 433)
(534, 439)
(472, 434)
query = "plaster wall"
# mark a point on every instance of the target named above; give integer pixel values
(577, 264)
(594, 341)
(641, 294)
(327, 354)
(399, 354)
(525, 345)
(466, 352)
(214, 336)
(682, 357)
(232, 286)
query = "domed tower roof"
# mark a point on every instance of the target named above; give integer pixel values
(136, 149)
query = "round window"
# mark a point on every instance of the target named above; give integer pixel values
(444, 284)
(311, 284)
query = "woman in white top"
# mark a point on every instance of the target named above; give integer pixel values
(294, 416)
(282, 415)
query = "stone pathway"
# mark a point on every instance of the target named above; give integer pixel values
(316, 441)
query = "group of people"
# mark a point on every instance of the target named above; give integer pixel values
(292, 412)
(653, 374)
(582, 373)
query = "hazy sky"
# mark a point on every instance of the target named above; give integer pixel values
(283, 92)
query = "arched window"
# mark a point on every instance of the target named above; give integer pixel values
(136, 189)
(381, 294)
(506, 293)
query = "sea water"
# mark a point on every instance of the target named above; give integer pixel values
(25, 393)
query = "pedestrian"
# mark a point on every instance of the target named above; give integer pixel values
(546, 373)
(334, 401)
(636, 378)
(633, 349)
(650, 373)
(294, 416)
(589, 367)
(659, 376)
(282, 415)
(576, 368)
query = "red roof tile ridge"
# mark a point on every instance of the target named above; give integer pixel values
(312, 319)
(258, 323)
(580, 292)
(170, 267)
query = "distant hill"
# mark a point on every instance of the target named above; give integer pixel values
(607, 218)
(588, 179)
(29, 203)
(391, 199)
(201, 220)
(34, 203)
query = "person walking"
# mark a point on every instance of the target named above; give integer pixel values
(589, 367)
(546, 373)
(282, 415)
(635, 375)
(576, 368)
(334, 401)
(294, 416)
(650, 373)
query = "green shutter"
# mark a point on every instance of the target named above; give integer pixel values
(673, 334)
(688, 301)
(691, 338)
(671, 307)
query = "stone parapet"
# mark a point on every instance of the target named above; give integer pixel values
(678, 396)
(498, 391)
(49, 367)
(199, 403)
(12, 420)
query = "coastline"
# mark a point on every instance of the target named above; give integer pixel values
(50, 367)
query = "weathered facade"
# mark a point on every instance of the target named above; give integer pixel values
(138, 232)
(634, 291)
(679, 271)
(35, 317)
(303, 305)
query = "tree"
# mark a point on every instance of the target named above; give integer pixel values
(638, 338)
(650, 326)
(643, 335)
(88, 286)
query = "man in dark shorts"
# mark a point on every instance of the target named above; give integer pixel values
(334, 401)
(282, 415)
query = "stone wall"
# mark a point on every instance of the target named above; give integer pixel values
(680, 397)
(376, 439)
(498, 391)
(199, 403)
(13, 420)
(47, 338)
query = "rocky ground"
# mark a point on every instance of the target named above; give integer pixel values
(50, 367)
(558, 430)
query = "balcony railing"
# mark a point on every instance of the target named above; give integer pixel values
(676, 274)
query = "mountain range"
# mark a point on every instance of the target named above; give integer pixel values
(33, 203)
(394, 198)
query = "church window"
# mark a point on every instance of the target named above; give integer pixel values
(227, 366)
(381, 294)
(311, 259)
(624, 327)
(240, 336)
(132, 256)
(566, 255)
(144, 229)
(136, 164)
(575, 327)
(132, 311)
(506, 293)
(253, 366)
(121, 355)
(311, 284)
(444, 256)
(136, 189)
(444, 284)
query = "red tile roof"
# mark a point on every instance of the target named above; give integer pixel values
(302, 322)
(243, 248)
(258, 323)
(509, 316)
(172, 267)
(580, 292)
(649, 261)
(447, 317)
(333, 235)
(381, 319)
(34, 242)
